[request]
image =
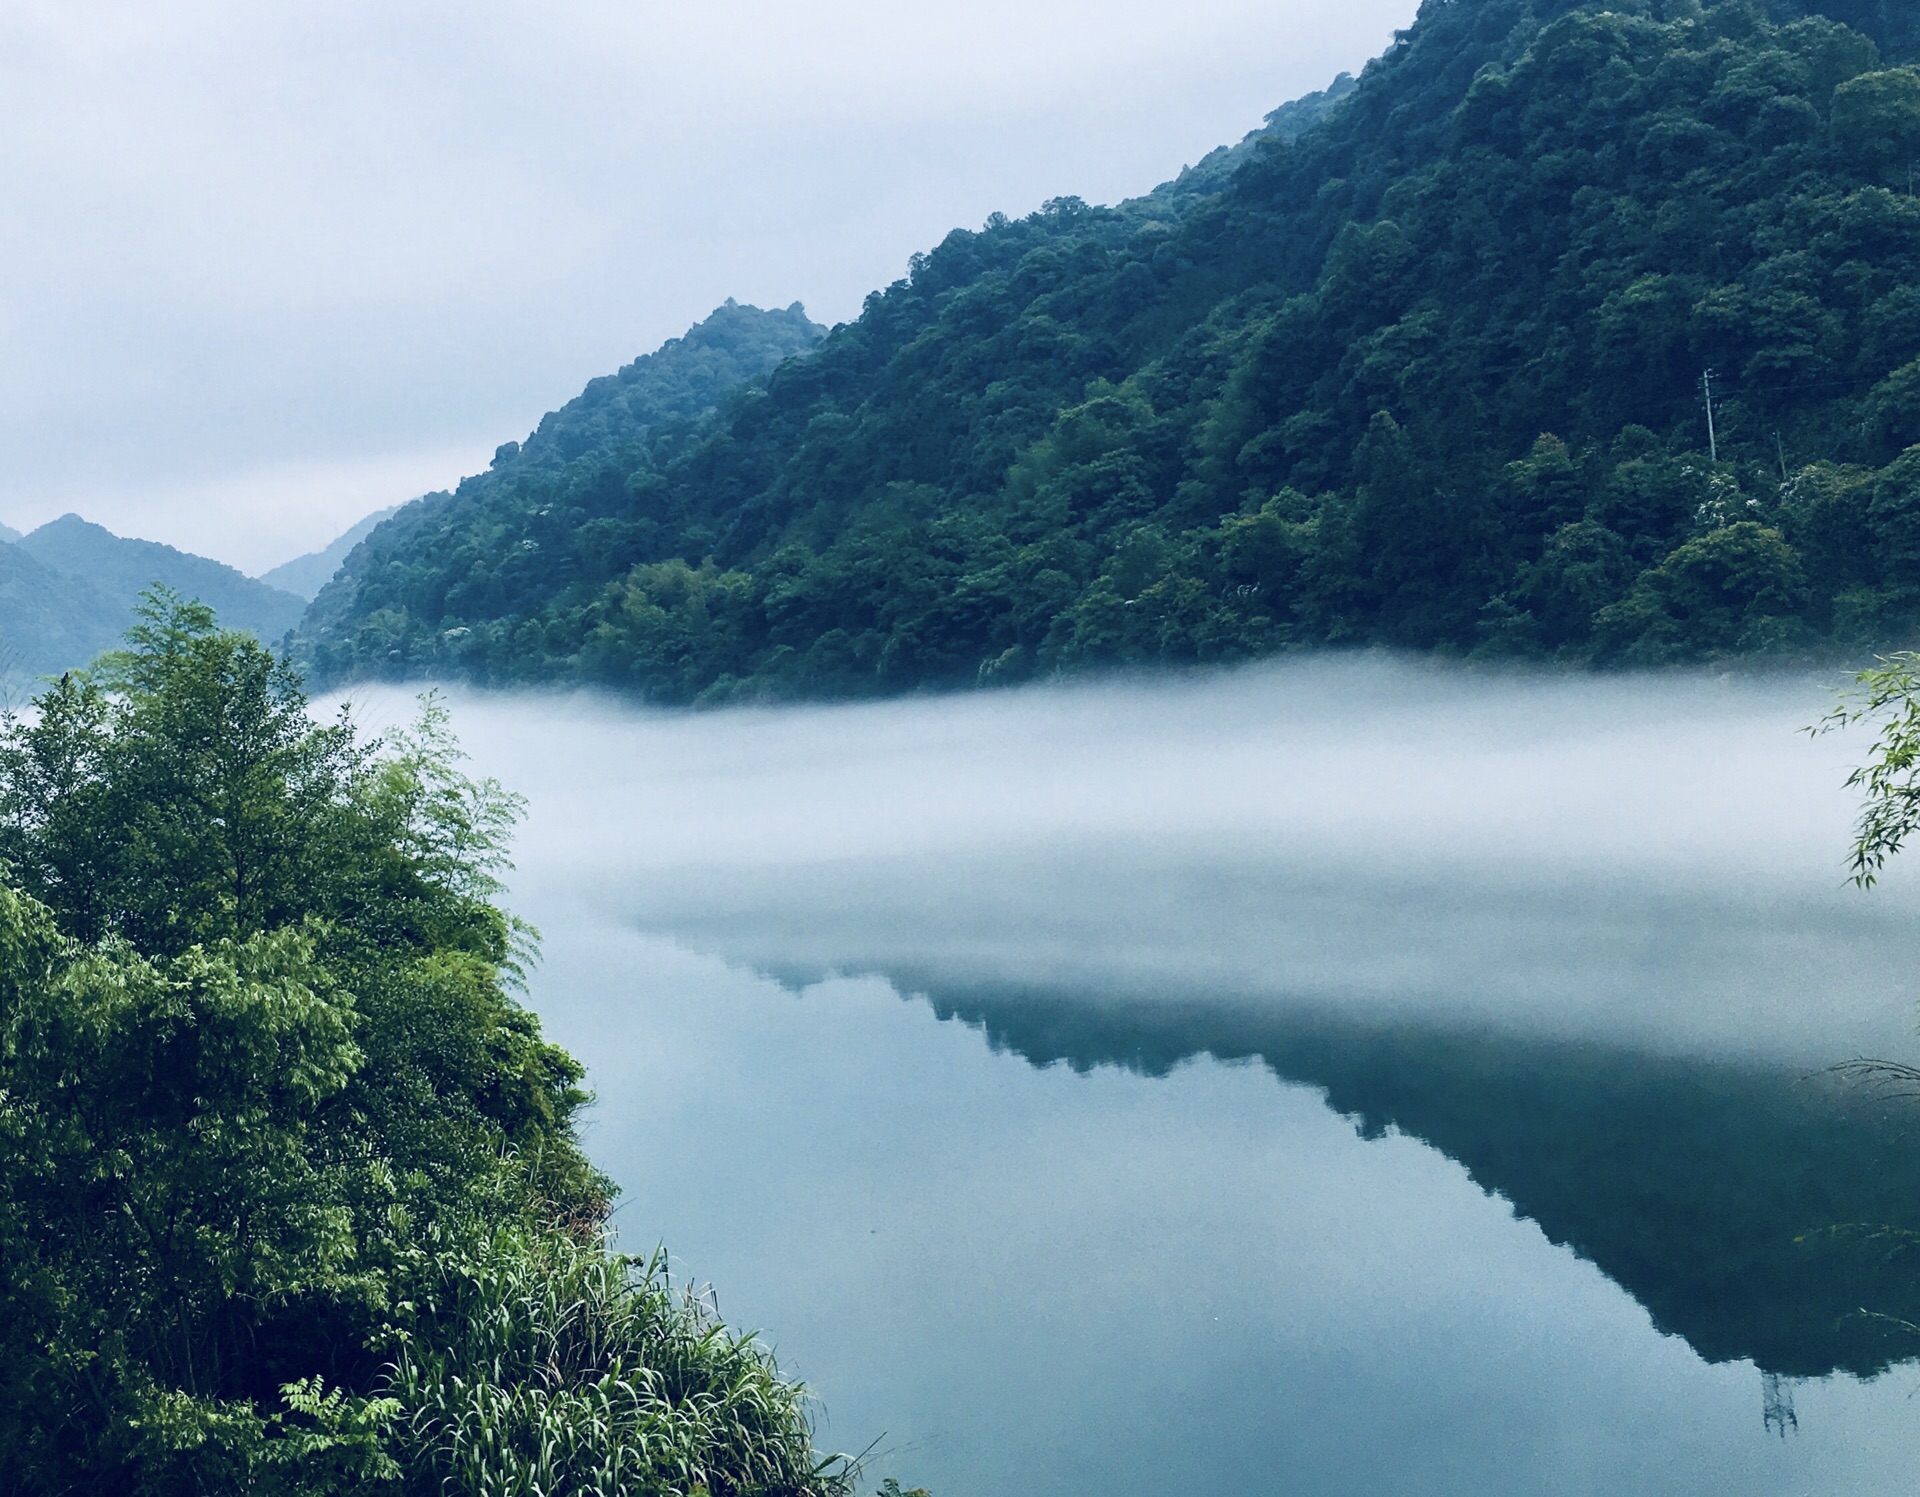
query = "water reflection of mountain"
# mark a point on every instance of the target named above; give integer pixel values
(1704, 1189)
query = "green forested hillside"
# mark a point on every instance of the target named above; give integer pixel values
(120, 568)
(49, 622)
(471, 548)
(1430, 373)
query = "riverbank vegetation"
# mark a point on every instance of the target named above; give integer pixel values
(1570, 331)
(291, 1195)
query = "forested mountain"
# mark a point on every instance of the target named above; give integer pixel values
(49, 622)
(119, 569)
(468, 548)
(1433, 372)
(1291, 120)
(8, 533)
(304, 576)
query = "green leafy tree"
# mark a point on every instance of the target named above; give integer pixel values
(1736, 588)
(1582, 569)
(276, 1138)
(1876, 119)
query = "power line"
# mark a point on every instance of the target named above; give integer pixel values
(1812, 384)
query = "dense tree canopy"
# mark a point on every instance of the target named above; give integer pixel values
(478, 548)
(290, 1197)
(1430, 372)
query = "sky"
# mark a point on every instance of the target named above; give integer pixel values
(268, 268)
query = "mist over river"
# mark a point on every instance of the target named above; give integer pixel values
(1344, 1076)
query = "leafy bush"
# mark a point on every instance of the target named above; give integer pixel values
(290, 1194)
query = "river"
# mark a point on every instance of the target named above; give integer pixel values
(1343, 1076)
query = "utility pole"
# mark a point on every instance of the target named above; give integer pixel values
(1713, 442)
(1781, 448)
(1776, 1405)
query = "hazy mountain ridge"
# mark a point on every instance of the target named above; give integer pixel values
(1305, 408)
(304, 576)
(68, 590)
(121, 568)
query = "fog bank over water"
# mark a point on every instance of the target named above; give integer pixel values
(1435, 1116)
(1650, 861)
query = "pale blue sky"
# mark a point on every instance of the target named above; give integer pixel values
(268, 268)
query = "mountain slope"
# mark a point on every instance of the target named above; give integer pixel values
(49, 622)
(1282, 126)
(1429, 374)
(120, 569)
(451, 543)
(304, 576)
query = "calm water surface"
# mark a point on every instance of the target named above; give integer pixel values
(1332, 1078)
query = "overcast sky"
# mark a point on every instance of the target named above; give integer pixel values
(266, 268)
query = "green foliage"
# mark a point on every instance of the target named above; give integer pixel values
(1876, 121)
(276, 1141)
(178, 794)
(1292, 399)
(555, 503)
(600, 1378)
(1888, 694)
(1735, 589)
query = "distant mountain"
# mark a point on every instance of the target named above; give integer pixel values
(8, 533)
(655, 398)
(1572, 330)
(49, 622)
(304, 576)
(119, 569)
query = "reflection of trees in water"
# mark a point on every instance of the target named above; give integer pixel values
(1776, 1404)
(1709, 1191)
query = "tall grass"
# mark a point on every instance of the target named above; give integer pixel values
(537, 1363)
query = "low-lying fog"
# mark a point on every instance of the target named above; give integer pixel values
(1534, 1266)
(1658, 861)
